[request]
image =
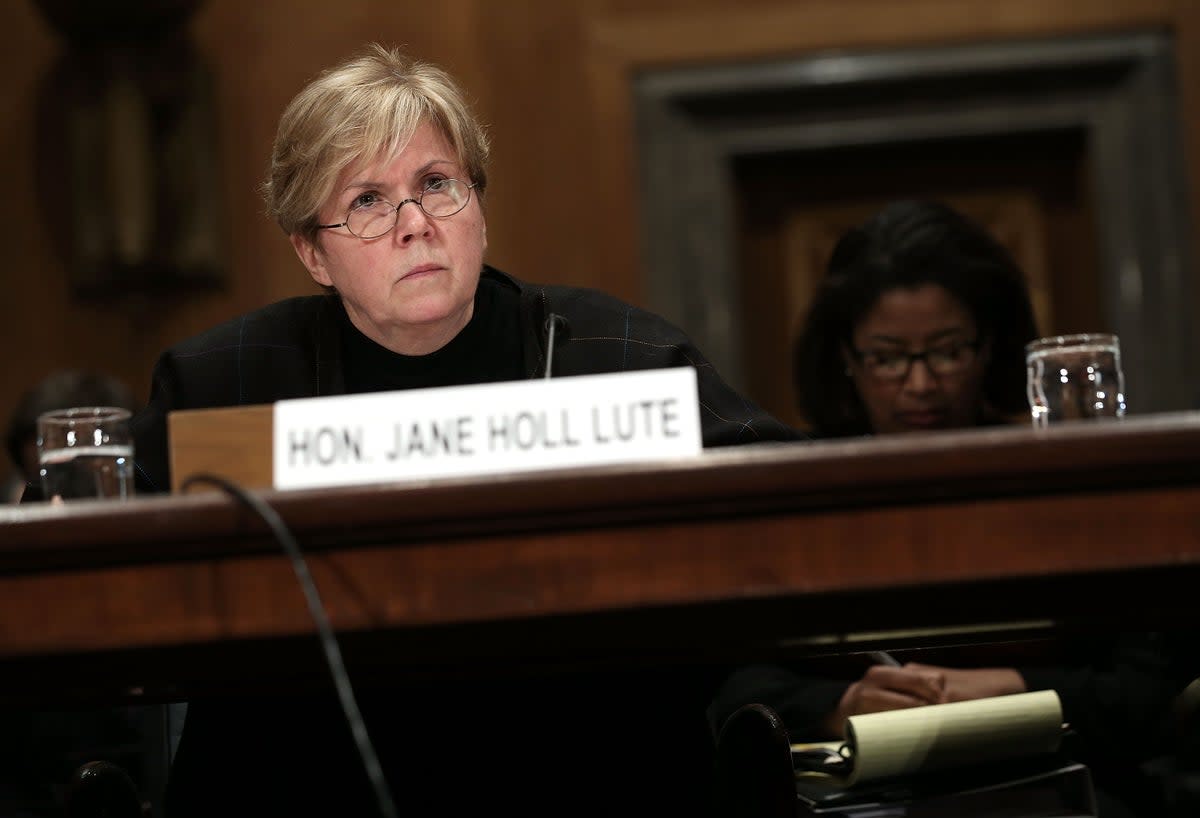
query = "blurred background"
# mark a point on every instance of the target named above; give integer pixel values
(697, 157)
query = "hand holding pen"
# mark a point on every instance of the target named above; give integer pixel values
(958, 684)
(887, 685)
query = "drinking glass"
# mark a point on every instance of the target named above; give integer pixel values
(86, 451)
(1074, 377)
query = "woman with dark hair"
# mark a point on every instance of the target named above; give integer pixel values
(919, 324)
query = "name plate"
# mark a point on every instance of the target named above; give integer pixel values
(495, 428)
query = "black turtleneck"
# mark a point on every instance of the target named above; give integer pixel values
(487, 349)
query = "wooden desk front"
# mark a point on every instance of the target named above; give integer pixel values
(719, 558)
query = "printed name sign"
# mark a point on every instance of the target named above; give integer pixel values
(495, 428)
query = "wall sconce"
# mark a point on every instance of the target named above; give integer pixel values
(127, 157)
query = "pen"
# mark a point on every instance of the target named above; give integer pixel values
(882, 657)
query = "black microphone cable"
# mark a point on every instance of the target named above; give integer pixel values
(325, 635)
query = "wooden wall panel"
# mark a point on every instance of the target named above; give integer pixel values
(542, 223)
(41, 326)
(552, 78)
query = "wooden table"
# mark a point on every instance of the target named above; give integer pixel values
(723, 557)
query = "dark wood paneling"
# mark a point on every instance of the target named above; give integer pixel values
(553, 79)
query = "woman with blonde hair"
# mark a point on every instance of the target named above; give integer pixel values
(378, 177)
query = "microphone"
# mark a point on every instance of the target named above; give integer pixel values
(558, 330)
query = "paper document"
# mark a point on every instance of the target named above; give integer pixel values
(936, 737)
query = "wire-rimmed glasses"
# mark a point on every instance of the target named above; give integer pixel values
(370, 220)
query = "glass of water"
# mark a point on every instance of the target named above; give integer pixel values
(86, 452)
(1074, 377)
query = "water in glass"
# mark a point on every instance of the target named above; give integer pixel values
(1075, 378)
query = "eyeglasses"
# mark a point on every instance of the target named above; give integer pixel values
(370, 216)
(893, 365)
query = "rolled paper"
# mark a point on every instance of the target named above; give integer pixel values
(940, 736)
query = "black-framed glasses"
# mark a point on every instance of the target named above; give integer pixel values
(371, 219)
(894, 365)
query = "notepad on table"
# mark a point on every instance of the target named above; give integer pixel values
(894, 743)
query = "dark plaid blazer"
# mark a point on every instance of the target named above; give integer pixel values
(598, 740)
(292, 349)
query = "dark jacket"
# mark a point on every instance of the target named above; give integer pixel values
(582, 743)
(292, 349)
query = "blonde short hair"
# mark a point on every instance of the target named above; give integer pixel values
(366, 107)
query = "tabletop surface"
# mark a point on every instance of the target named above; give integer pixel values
(731, 552)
